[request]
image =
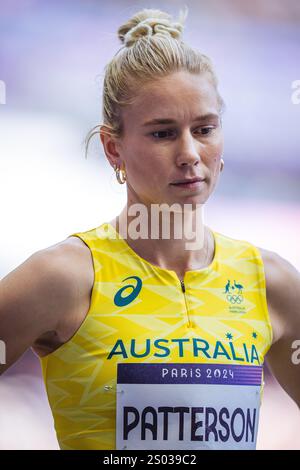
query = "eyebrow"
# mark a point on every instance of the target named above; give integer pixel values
(204, 117)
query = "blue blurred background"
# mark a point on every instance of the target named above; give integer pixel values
(52, 58)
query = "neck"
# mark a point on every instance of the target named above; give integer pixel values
(180, 242)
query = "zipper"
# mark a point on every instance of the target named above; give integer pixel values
(186, 307)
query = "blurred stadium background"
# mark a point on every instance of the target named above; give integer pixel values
(52, 56)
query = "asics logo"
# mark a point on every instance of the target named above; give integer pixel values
(121, 301)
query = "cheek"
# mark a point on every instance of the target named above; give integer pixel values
(145, 169)
(215, 151)
(213, 156)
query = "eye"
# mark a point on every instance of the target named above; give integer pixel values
(162, 134)
(206, 130)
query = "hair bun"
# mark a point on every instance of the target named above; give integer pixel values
(148, 22)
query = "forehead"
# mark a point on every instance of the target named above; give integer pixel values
(180, 94)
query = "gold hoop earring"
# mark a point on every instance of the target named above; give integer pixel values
(120, 175)
(222, 164)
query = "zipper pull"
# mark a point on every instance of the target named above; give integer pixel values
(182, 285)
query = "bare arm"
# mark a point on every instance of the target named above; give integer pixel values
(283, 296)
(41, 296)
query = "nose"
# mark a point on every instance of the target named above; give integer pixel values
(187, 151)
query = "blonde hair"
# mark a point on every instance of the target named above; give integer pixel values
(152, 48)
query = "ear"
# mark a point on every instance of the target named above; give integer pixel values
(111, 146)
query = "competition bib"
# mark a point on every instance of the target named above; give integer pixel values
(187, 406)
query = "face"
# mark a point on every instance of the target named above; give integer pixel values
(172, 132)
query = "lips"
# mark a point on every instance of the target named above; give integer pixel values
(188, 180)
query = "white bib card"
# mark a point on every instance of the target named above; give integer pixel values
(187, 406)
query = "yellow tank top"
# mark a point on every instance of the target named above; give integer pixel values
(160, 363)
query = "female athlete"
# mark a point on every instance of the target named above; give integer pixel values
(149, 339)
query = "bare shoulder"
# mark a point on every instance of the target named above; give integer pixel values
(69, 269)
(282, 290)
(72, 261)
(278, 271)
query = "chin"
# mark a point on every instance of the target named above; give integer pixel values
(193, 201)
